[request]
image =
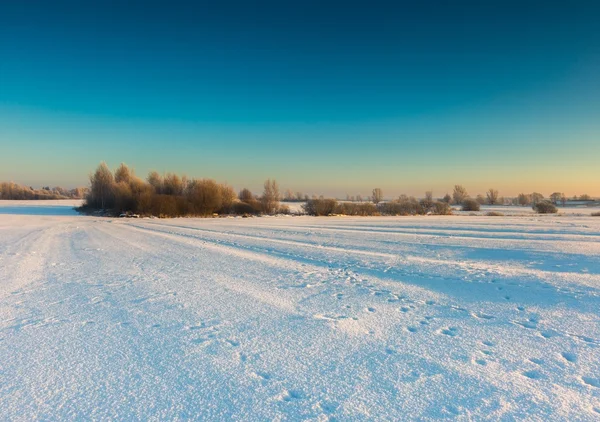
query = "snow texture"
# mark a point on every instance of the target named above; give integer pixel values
(298, 318)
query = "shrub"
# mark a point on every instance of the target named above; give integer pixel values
(545, 207)
(596, 214)
(320, 207)
(360, 209)
(494, 214)
(284, 209)
(228, 197)
(204, 197)
(470, 204)
(244, 208)
(402, 206)
(441, 208)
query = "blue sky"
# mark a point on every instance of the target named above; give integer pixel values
(327, 97)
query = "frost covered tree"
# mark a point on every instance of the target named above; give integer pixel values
(536, 197)
(377, 195)
(245, 195)
(492, 196)
(270, 198)
(556, 197)
(102, 187)
(172, 184)
(156, 181)
(524, 199)
(289, 195)
(123, 174)
(459, 194)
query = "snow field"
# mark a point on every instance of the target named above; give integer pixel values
(299, 318)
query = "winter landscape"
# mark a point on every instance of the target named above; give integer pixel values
(283, 318)
(299, 210)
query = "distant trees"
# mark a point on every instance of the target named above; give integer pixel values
(536, 197)
(402, 206)
(122, 191)
(524, 199)
(557, 197)
(377, 196)
(171, 195)
(11, 190)
(459, 194)
(492, 196)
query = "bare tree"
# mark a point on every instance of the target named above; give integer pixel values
(556, 197)
(524, 199)
(459, 194)
(245, 195)
(172, 185)
(156, 181)
(536, 197)
(123, 174)
(270, 198)
(102, 186)
(447, 198)
(289, 195)
(377, 195)
(492, 196)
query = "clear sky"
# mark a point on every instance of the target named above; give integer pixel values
(327, 97)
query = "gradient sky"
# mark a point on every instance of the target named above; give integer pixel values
(327, 97)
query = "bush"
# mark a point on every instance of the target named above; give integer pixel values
(441, 208)
(470, 204)
(402, 206)
(360, 209)
(494, 214)
(596, 214)
(284, 209)
(320, 207)
(245, 208)
(545, 207)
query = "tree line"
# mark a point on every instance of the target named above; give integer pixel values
(122, 192)
(14, 191)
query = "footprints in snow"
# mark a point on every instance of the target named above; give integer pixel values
(450, 331)
(569, 357)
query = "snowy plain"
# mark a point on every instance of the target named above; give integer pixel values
(298, 318)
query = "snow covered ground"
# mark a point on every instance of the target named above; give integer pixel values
(289, 318)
